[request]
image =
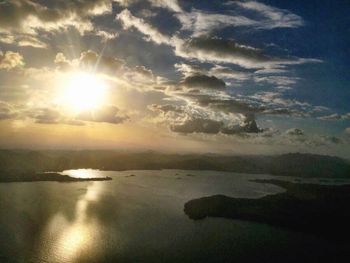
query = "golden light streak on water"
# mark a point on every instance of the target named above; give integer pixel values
(67, 240)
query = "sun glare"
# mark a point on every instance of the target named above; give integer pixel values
(83, 91)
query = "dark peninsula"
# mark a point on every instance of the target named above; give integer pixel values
(322, 210)
(8, 177)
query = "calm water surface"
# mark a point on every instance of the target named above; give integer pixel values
(138, 217)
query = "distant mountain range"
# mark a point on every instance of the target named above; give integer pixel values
(292, 164)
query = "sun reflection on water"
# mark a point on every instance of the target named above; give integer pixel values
(70, 239)
(83, 173)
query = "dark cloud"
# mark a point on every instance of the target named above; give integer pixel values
(203, 81)
(225, 105)
(209, 49)
(198, 126)
(248, 126)
(51, 116)
(90, 60)
(222, 50)
(295, 132)
(6, 111)
(230, 105)
(209, 126)
(332, 139)
(109, 114)
(166, 108)
(46, 116)
(142, 70)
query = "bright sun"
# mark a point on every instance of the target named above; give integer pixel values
(83, 91)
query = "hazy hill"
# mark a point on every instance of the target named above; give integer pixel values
(292, 164)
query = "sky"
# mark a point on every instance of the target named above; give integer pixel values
(241, 77)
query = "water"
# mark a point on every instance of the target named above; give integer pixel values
(138, 217)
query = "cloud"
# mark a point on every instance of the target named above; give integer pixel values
(210, 49)
(248, 126)
(10, 60)
(228, 73)
(52, 115)
(347, 131)
(62, 62)
(332, 139)
(230, 105)
(22, 20)
(250, 14)
(335, 117)
(197, 126)
(6, 111)
(90, 61)
(220, 50)
(27, 15)
(272, 17)
(202, 23)
(217, 71)
(205, 118)
(210, 126)
(22, 40)
(189, 69)
(270, 71)
(295, 132)
(273, 100)
(129, 21)
(172, 5)
(203, 81)
(105, 35)
(166, 108)
(108, 114)
(47, 116)
(264, 103)
(114, 69)
(277, 80)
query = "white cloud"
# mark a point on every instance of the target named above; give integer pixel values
(335, 116)
(105, 35)
(219, 50)
(21, 21)
(172, 5)
(10, 60)
(128, 21)
(277, 80)
(273, 17)
(201, 23)
(225, 72)
(265, 17)
(210, 49)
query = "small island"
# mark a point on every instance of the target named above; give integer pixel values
(322, 210)
(10, 176)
